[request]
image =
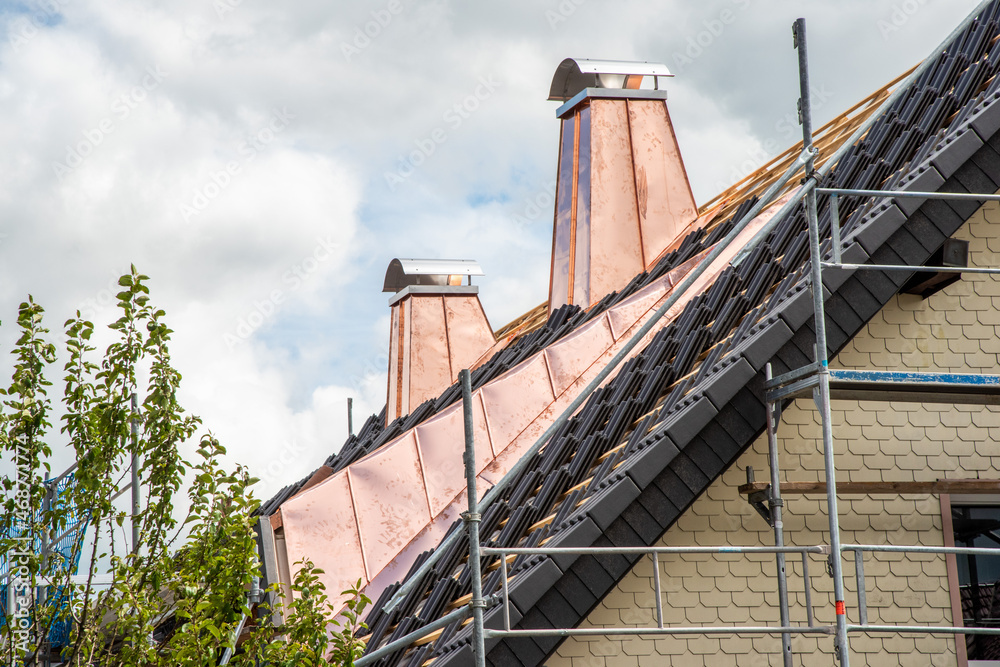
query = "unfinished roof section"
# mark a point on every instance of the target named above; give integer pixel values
(648, 442)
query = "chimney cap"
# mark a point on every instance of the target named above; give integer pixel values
(575, 74)
(404, 272)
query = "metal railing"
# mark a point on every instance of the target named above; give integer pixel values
(661, 628)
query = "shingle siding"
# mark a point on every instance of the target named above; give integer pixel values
(875, 441)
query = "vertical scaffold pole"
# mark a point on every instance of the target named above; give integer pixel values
(779, 533)
(135, 473)
(472, 519)
(822, 394)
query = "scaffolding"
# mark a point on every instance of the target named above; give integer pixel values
(816, 381)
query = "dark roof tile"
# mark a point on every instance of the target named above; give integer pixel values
(594, 577)
(925, 231)
(987, 159)
(581, 532)
(721, 386)
(956, 148)
(643, 523)
(764, 341)
(579, 595)
(797, 308)
(647, 462)
(502, 655)
(925, 178)
(985, 120)
(879, 225)
(605, 507)
(658, 505)
(557, 610)
(527, 587)
(971, 176)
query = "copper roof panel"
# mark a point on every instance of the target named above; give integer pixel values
(665, 202)
(513, 400)
(320, 525)
(613, 216)
(390, 500)
(441, 452)
(574, 353)
(430, 371)
(469, 332)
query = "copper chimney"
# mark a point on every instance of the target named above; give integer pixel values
(438, 328)
(623, 195)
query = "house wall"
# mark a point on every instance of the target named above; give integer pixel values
(953, 330)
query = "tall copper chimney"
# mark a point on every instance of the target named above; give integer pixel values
(623, 195)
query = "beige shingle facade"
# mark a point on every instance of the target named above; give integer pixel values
(953, 330)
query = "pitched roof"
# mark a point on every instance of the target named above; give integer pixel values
(638, 452)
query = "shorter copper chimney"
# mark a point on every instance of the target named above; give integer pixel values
(623, 195)
(438, 328)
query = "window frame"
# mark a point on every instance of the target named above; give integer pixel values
(951, 562)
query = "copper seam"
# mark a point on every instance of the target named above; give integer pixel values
(423, 477)
(357, 524)
(548, 371)
(572, 213)
(447, 338)
(399, 359)
(489, 431)
(555, 219)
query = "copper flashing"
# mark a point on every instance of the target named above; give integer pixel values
(435, 332)
(622, 197)
(724, 205)
(372, 519)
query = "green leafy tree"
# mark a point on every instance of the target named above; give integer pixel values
(180, 595)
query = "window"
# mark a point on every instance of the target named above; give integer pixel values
(979, 577)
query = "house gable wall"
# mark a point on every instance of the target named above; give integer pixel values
(953, 330)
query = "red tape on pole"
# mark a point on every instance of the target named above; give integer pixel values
(840, 608)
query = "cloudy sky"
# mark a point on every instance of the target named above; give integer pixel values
(264, 161)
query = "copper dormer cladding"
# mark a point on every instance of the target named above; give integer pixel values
(438, 327)
(623, 195)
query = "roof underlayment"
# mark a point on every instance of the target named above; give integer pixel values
(681, 410)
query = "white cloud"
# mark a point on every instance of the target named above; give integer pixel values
(318, 185)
